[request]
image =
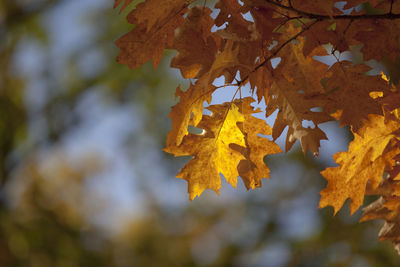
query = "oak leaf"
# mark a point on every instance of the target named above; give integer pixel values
(272, 46)
(210, 150)
(298, 78)
(386, 207)
(229, 145)
(196, 45)
(366, 160)
(252, 169)
(386, 32)
(188, 111)
(152, 34)
(348, 89)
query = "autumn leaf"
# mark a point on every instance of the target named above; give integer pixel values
(386, 207)
(366, 160)
(348, 89)
(228, 8)
(298, 78)
(329, 32)
(252, 169)
(317, 6)
(384, 30)
(153, 31)
(273, 46)
(210, 150)
(230, 135)
(196, 44)
(188, 111)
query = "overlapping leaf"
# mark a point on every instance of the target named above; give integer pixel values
(188, 111)
(387, 207)
(197, 46)
(297, 92)
(251, 34)
(366, 160)
(252, 169)
(316, 6)
(229, 145)
(210, 150)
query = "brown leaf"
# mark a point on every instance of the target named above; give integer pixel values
(386, 31)
(151, 34)
(387, 207)
(348, 89)
(296, 91)
(197, 46)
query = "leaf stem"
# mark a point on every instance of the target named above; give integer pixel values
(276, 51)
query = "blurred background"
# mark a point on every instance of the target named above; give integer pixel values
(84, 180)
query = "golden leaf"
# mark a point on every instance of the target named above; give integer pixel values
(229, 145)
(365, 161)
(210, 150)
(252, 169)
(188, 111)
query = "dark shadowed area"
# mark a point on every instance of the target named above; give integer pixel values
(84, 180)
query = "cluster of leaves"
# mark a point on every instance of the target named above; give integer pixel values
(241, 40)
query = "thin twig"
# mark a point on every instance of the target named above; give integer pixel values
(326, 17)
(342, 38)
(276, 52)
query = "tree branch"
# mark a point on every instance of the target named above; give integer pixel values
(309, 15)
(240, 83)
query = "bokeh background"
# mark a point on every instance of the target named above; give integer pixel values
(84, 181)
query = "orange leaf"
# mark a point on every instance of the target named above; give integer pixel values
(152, 33)
(210, 150)
(252, 169)
(365, 161)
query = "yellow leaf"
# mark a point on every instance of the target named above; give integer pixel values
(210, 150)
(229, 145)
(365, 161)
(188, 111)
(252, 169)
